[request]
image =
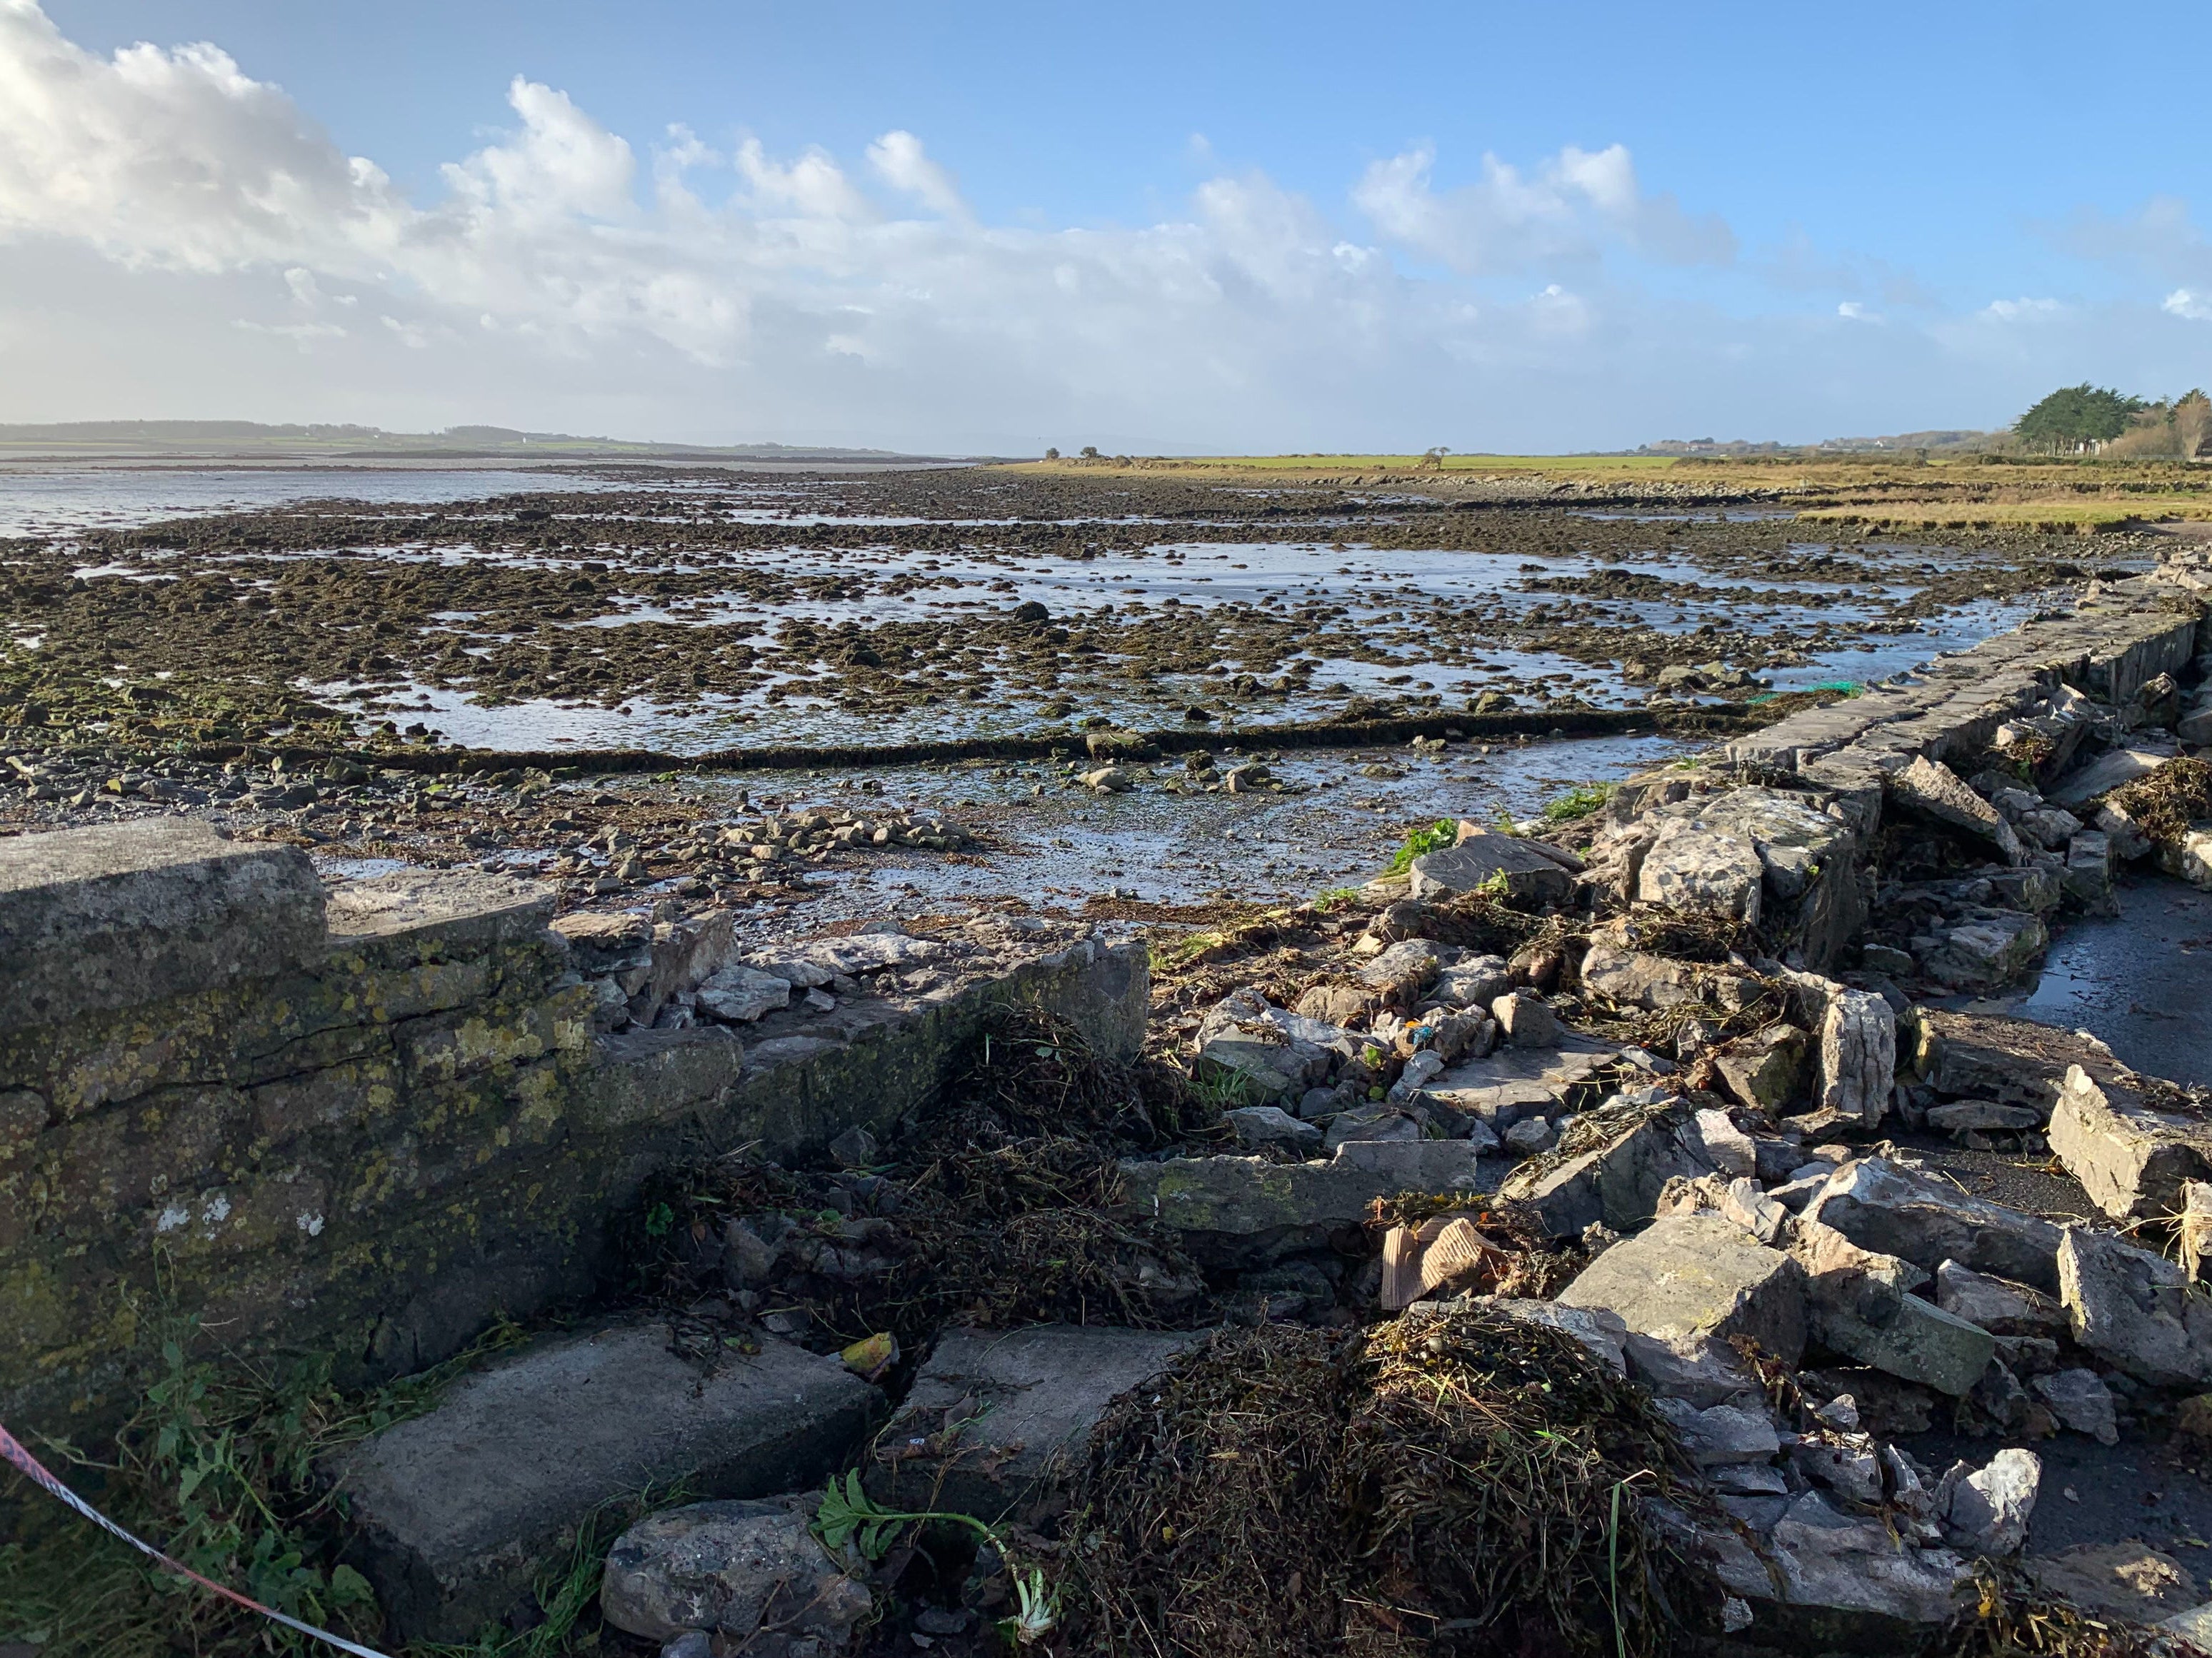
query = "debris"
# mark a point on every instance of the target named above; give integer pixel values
(1929, 789)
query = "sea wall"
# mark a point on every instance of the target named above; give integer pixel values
(367, 1119)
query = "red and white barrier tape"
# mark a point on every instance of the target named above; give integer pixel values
(12, 1452)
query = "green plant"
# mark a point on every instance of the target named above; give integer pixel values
(1222, 1090)
(847, 1515)
(1334, 898)
(1578, 802)
(1442, 833)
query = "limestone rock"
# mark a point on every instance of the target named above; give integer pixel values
(1693, 1275)
(1629, 978)
(739, 1568)
(1525, 1020)
(1824, 1580)
(1260, 1071)
(1690, 865)
(1697, 1369)
(1985, 1056)
(1880, 1206)
(2131, 1159)
(2000, 1307)
(1763, 1071)
(2081, 1401)
(1403, 970)
(1726, 1147)
(1929, 789)
(742, 995)
(1258, 1125)
(1988, 1510)
(1858, 1055)
(1989, 948)
(1617, 1182)
(1484, 861)
(2135, 1309)
(2128, 1579)
(1722, 1434)
(1473, 982)
(2089, 875)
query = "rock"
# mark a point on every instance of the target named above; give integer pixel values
(1337, 1005)
(1528, 1137)
(2081, 1401)
(458, 1506)
(1739, 1201)
(2108, 771)
(1702, 868)
(128, 914)
(2195, 1230)
(2131, 1159)
(1473, 981)
(741, 1569)
(1503, 1087)
(2189, 858)
(1990, 948)
(1422, 1069)
(1858, 1055)
(1484, 862)
(854, 1148)
(1846, 1464)
(2000, 1307)
(1402, 970)
(2126, 839)
(1929, 789)
(1858, 1303)
(1963, 1117)
(1892, 1210)
(1985, 1057)
(1722, 1434)
(742, 994)
(1017, 1407)
(1988, 1510)
(1763, 1071)
(1697, 1369)
(1525, 1020)
(2128, 1579)
(1246, 1211)
(1823, 1582)
(1617, 1182)
(1107, 779)
(1370, 1123)
(1629, 978)
(1726, 1147)
(2136, 1309)
(1259, 1070)
(1268, 1125)
(1693, 1275)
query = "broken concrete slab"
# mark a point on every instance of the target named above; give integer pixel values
(736, 1569)
(2136, 1309)
(1246, 1211)
(997, 1419)
(457, 1505)
(123, 915)
(1893, 1210)
(1695, 1275)
(2131, 1158)
(1486, 861)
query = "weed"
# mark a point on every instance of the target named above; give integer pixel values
(1335, 898)
(1442, 833)
(1579, 802)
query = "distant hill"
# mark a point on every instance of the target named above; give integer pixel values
(1953, 441)
(240, 438)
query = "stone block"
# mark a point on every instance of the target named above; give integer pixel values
(1017, 1407)
(2000, 1307)
(457, 1506)
(1702, 868)
(2135, 1309)
(1893, 1210)
(1246, 1211)
(1988, 1510)
(1618, 1182)
(123, 915)
(1488, 861)
(1763, 1071)
(1630, 978)
(1917, 1342)
(2108, 771)
(416, 915)
(1929, 789)
(660, 1076)
(1256, 1071)
(1259, 1125)
(1694, 1275)
(2131, 1159)
(1983, 1056)
(1500, 1089)
(1989, 948)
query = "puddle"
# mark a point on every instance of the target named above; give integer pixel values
(2140, 981)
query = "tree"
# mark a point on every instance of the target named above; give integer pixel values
(1052, 454)
(1090, 451)
(2078, 417)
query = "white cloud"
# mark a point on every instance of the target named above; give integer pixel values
(1568, 210)
(171, 225)
(2189, 304)
(1853, 311)
(2022, 310)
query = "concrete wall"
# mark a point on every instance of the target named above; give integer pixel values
(368, 1121)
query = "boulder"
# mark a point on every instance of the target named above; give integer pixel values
(1697, 1369)
(1963, 1117)
(1859, 1304)
(1989, 948)
(1985, 1056)
(1704, 870)
(1931, 790)
(2081, 1401)
(1617, 1180)
(1500, 1087)
(1721, 1435)
(1473, 981)
(1822, 1581)
(2112, 769)
(1696, 1275)
(2131, 1158)
(1488, 862)
(1857, 1061)
(2003, 1308)
(1726, 1147)
(1402, 971)
(1630, 978)
(1893, 1210)
(1248, 1211)
(741, 994)
(1987, 1511)
(2135, 1309)
(1525, 1020)
(457, 1506)
(1603, 1333)
(741, 1570)
(1259, 1125)
(2129, 1579)
(1763, 1071)
(997, 1419)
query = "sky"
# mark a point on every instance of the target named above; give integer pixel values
(1159, 229)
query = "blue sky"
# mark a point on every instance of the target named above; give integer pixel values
(1155, 228)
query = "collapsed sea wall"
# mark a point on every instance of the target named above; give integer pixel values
(369, 1118)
